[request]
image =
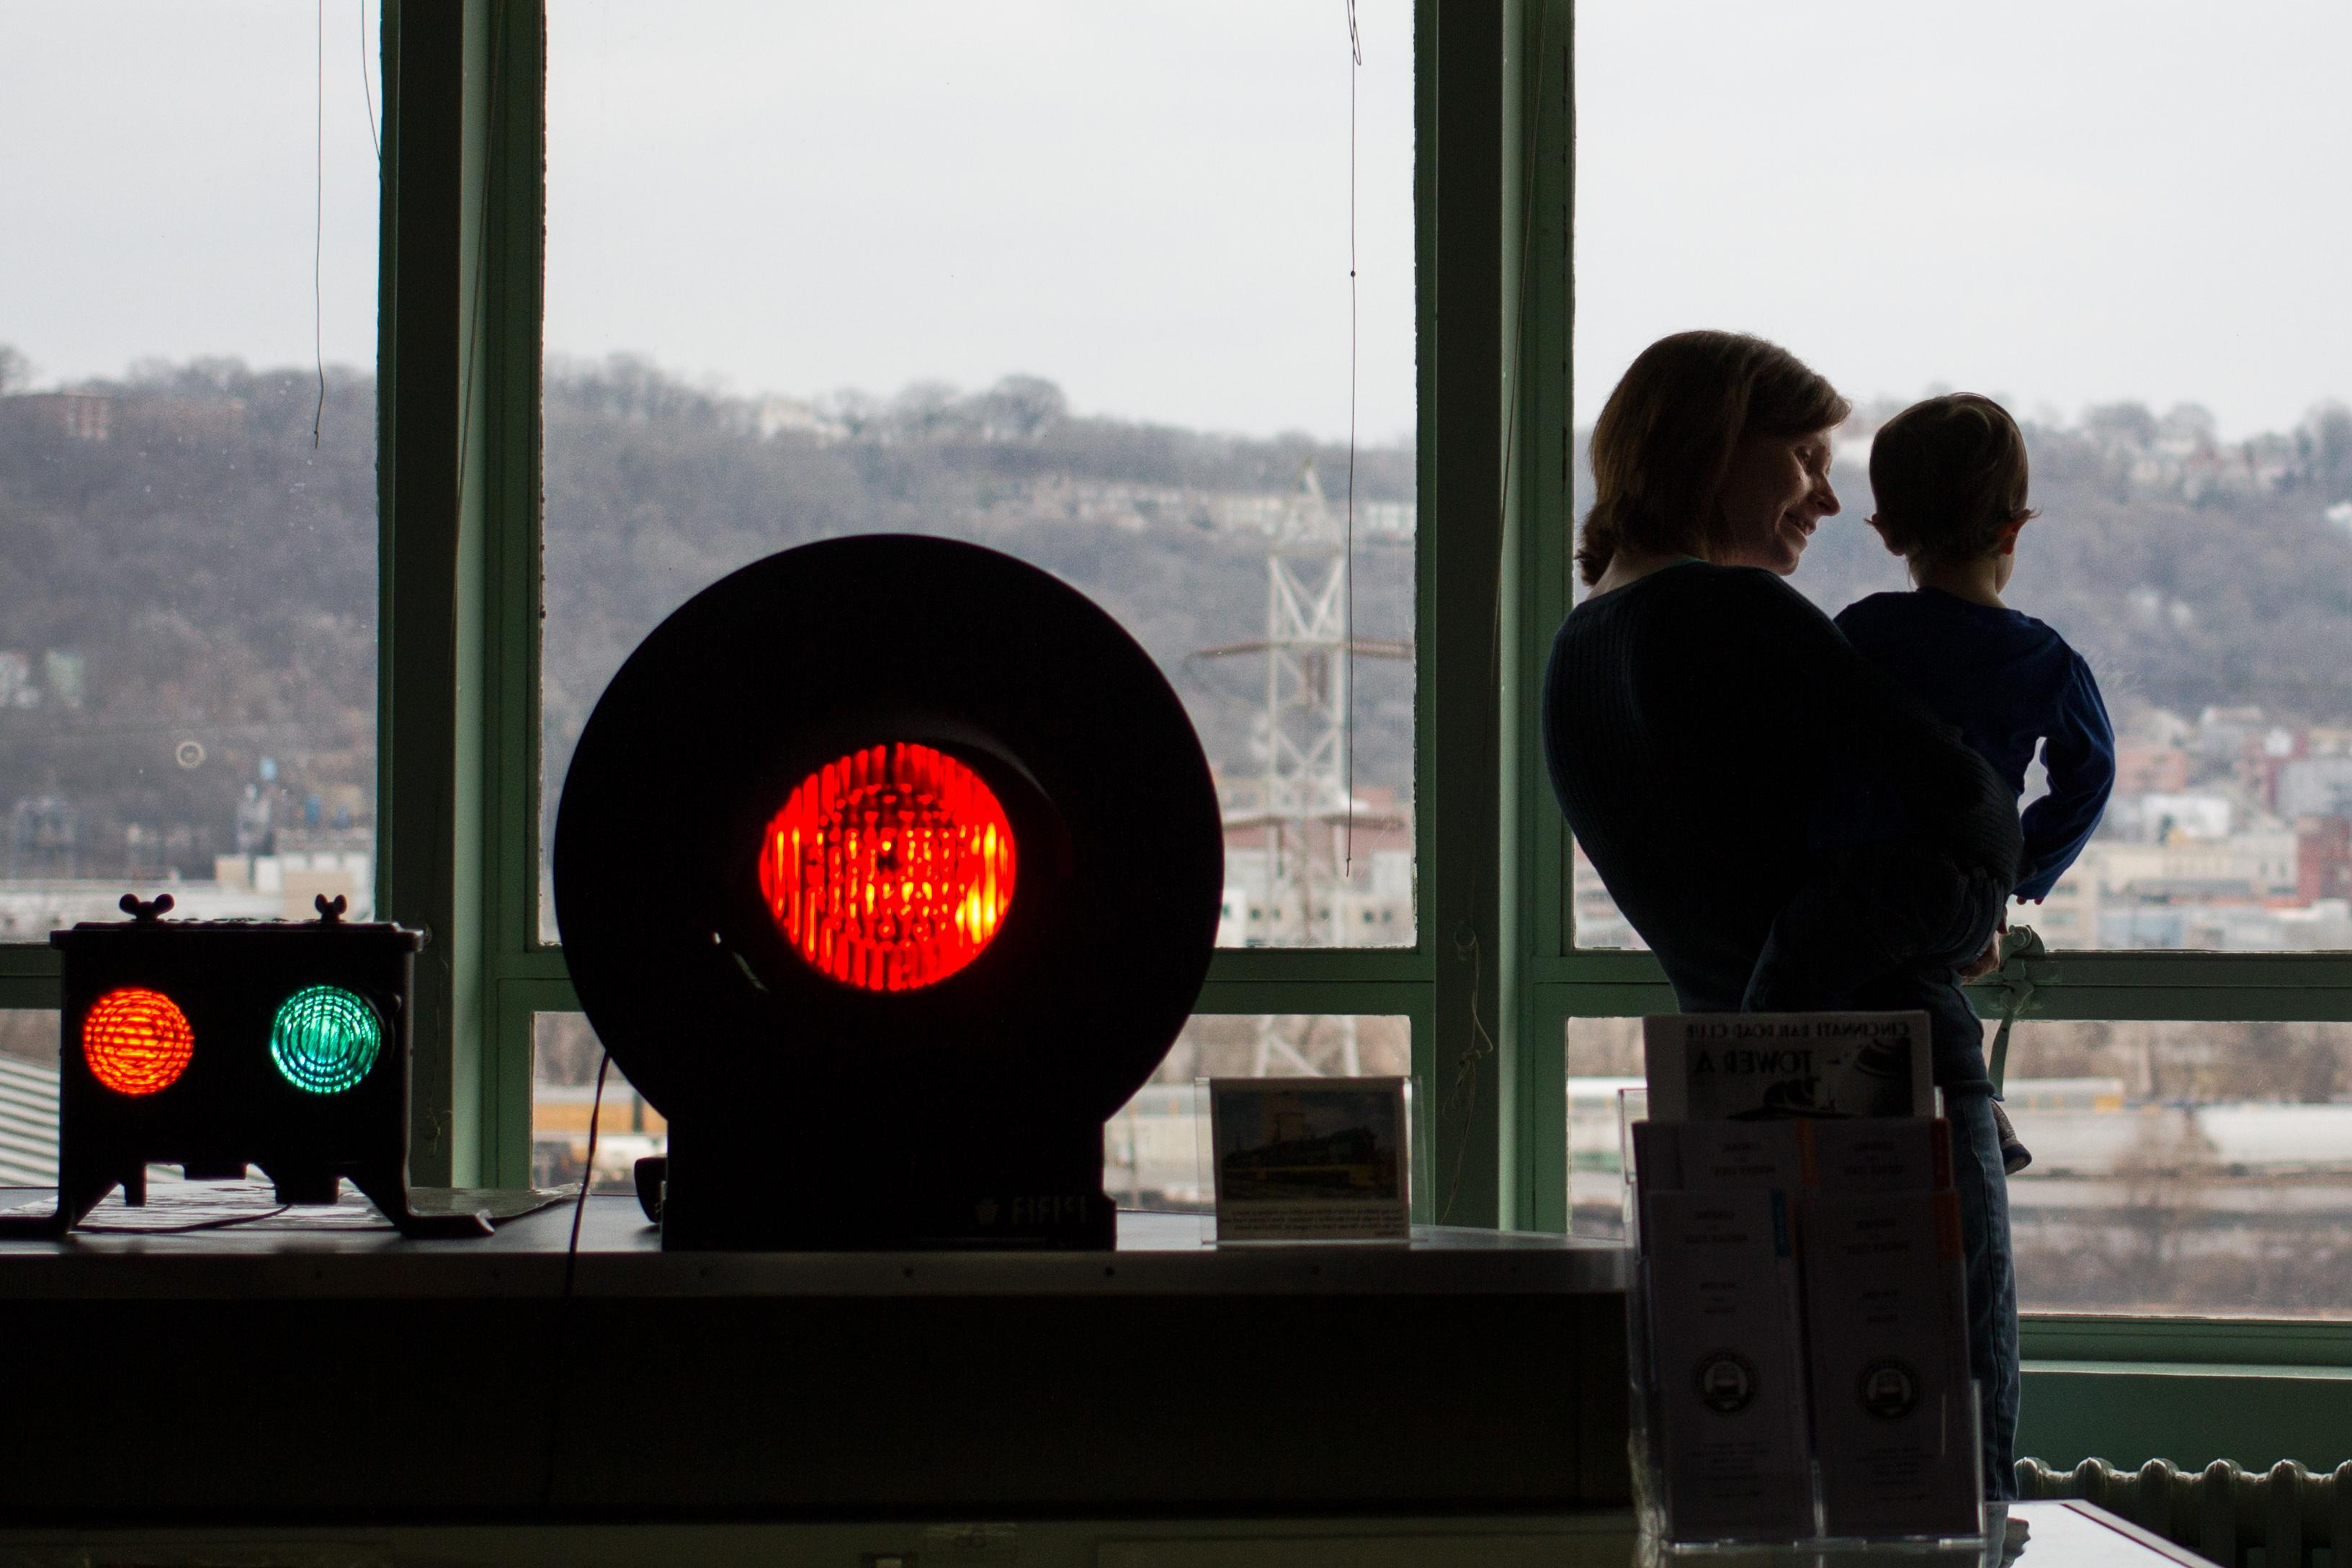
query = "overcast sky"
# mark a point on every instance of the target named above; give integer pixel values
(2060, 202)
(1146, 202)
(162, 175)
(2055, 201)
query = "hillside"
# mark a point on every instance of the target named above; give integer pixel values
(181, 566)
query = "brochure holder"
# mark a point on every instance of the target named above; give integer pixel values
(1664, 1540)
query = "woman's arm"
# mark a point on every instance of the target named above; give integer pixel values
(1838, 715)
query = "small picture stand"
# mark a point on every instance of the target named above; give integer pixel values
(1311, 1159)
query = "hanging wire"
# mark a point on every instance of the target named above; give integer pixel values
(367, 89)
(469, 370)
(1348, 560)
(319, 230)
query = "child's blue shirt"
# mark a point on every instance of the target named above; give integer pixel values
(2008, 682)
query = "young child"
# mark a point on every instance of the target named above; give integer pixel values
(1949, 478)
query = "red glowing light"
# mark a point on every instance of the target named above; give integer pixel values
(890, 868)
(136, 1041)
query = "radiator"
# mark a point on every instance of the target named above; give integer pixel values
(2285, 1513)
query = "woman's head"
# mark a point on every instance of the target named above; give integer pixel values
(1948, 475)
(1713, 445)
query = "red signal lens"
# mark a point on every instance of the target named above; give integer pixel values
(890, 869)
(136, 1041)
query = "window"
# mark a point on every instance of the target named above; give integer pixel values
(564, 1058)
(2189, 1167)
(1385, 964)
(2011, 202)
(1151, 1147)
(2183, 1168)
(1076, 286)
(187, 466)
(456, 773)
(456, 845)
(2004, 202)
(28, 1098)
(1492, 1056)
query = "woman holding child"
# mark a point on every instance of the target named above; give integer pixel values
(1785, 824)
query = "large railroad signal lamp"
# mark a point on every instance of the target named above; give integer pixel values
(888, 868)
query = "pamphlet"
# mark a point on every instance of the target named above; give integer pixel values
(1719, 1156)
(1771, 1066)
(1875, 1154)
(1886, 1319)
(1730, 1403)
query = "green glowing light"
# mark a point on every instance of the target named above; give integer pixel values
(325, 1040)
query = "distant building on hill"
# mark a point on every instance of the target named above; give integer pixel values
(75, 415)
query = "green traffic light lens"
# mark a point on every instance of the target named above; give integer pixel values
(325, 1040)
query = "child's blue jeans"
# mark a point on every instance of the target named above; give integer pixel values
(1992, 1283)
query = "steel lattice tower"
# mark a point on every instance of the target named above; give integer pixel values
(1302, 801)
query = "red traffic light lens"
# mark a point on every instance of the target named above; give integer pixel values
(136, 1041)
(890, 869)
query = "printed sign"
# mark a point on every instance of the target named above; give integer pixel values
(1744, 1067)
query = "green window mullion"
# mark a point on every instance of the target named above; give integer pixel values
(516, 209)
(1540, 184)
(457, 468)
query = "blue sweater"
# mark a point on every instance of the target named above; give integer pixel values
(2008, 683)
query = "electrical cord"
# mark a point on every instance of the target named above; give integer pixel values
(587, 1176)
(224, 1223)
(557, 1411)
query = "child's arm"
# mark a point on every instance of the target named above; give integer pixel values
(2080, 755)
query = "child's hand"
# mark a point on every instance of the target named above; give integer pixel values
(1984, 963)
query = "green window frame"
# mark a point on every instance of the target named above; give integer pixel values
(459, 456)
(463, 227)
(458, 453)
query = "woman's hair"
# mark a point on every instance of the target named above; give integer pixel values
(1664, 439)
(1949, 477)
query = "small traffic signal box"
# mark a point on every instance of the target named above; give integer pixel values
(217, 1045)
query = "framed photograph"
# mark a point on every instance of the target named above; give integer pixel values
(1311, 1159)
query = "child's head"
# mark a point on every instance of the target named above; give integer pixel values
(1948, 475)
